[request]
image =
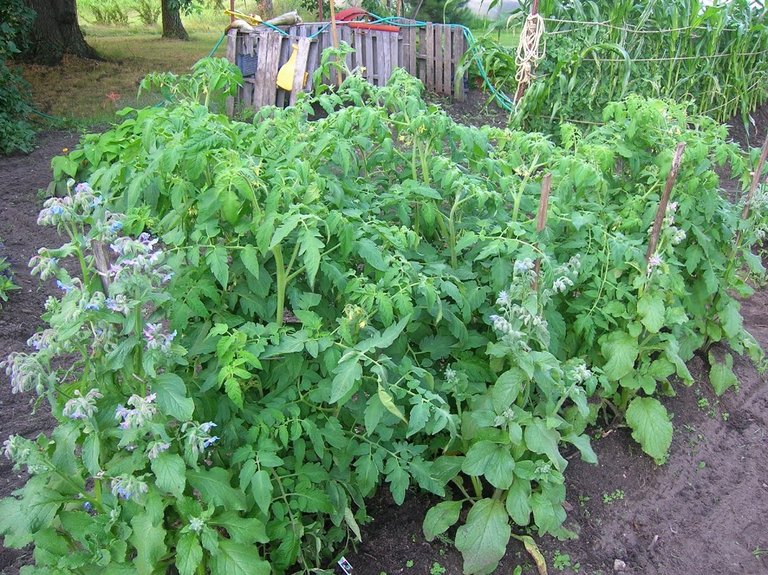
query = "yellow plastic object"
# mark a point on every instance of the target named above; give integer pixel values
(285, 75)
(250, 18)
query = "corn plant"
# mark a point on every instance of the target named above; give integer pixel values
(713, 56)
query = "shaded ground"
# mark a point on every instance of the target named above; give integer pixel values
(704, 513)
(20, 179)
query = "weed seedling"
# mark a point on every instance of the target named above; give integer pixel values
(609, 498)
(562, 561)
(436, 569)
(759, 552)
(409, 563)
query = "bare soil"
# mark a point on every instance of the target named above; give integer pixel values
(703, 513)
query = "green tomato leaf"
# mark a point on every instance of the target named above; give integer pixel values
(250, 258)
(288, 225)
(234, 391)
(311, 244)
(651, 427)
(348, 376)
(217, 261)
(215, 489)
(170, 473)
(483, 539)
(441, 517)
(261, 487)
(371, 253)
(388, 402)
(418, 418)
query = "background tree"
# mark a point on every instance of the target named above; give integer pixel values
(55, 32)
(171, 12)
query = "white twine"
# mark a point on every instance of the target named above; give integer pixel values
(530, 49)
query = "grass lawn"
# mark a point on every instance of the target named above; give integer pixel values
(91, 91)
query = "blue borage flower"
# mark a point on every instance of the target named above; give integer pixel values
(157, 339)
(143, 411)
(128, 487)
(82, 407)
(198, 437)
(66, 288)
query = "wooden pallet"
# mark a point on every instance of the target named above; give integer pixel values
(431, 53)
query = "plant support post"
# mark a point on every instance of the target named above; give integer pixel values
(661, 212)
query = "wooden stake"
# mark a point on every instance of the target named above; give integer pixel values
(755, 179)
(677, 159)
(541, 218)
(523, 86)
(335, 37)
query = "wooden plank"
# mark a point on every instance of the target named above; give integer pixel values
(358, 60)
(411, 53)
(430, 58)
(370, 66)
(421, 55)
(458, 52)
(248, 86)
(384, 58)
(261, 65)
(394, 44)
(448, 61)
(313, 61)
(274, 42)
(438, 89)
(302, 59)
(286, 46)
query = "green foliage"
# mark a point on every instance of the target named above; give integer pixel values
(355, 302)
(108, 12)
(148, 11)
(714, 56)
(15, 20)
(6, 280)
(450, 11)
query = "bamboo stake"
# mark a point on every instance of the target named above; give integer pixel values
(677, 159)
(541, 219)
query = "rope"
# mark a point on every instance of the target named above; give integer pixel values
(682, 58)
(530, 49)
(608, 24)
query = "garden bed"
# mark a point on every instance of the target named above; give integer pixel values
(702, 512)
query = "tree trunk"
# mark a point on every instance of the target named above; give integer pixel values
(55, 32)
(172, 26)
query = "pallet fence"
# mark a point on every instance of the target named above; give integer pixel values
(431, 53)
